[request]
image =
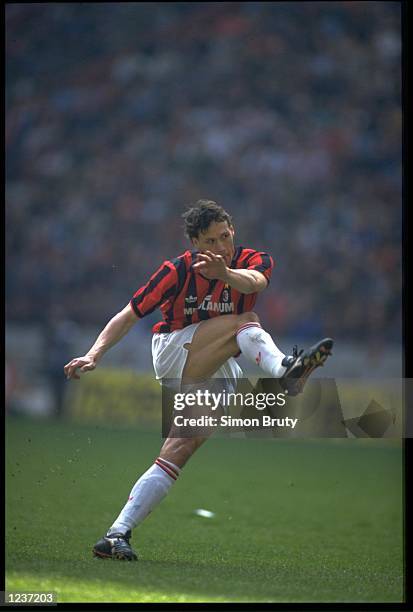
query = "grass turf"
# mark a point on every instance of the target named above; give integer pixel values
(296, 521)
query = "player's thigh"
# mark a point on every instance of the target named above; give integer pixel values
(213, 343)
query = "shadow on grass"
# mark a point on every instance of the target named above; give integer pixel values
(170, 581)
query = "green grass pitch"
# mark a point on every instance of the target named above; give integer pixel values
(296, 520)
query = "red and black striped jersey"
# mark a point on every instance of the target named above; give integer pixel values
(184, 296)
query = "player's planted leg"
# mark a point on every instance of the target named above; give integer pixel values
(146, 494)
(115, 546)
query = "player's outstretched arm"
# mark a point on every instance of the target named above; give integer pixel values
(117, 327)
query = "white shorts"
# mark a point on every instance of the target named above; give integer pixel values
(169, 356)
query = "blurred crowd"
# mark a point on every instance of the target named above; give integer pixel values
(119, 115)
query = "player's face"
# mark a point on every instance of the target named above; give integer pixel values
(219, 239)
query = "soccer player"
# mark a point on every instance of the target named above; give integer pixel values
(206, 297)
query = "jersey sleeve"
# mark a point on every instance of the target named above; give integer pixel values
(160, 287)
(262, 262)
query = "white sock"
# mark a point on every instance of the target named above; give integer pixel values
(147, 493)
(256, 344)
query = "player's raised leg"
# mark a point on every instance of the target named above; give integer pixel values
(220, 338)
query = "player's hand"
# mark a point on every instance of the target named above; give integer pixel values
(211, 266)
(84, 364)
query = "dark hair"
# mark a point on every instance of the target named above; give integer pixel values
(199, 217)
